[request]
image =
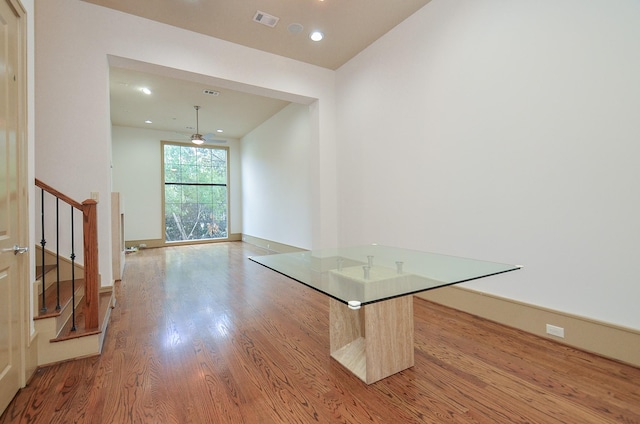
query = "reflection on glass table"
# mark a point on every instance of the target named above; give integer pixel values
(371, 307)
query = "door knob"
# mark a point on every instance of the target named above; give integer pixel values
(16, 249)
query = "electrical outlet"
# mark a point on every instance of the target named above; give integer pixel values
(555, 330)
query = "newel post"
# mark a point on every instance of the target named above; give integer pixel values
(92, 283)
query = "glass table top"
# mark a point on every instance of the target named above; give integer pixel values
(366, 274)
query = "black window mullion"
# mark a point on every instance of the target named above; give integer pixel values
(198, 184)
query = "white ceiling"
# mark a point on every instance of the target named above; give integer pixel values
(170, 106)
(349, 27)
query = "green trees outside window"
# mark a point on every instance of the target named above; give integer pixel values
(195, 192)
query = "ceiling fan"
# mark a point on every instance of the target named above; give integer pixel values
(198, 138)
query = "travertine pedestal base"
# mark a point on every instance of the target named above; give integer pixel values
(374, 341)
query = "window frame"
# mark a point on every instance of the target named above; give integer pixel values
(163, 186)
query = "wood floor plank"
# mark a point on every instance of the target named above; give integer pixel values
(201, 334)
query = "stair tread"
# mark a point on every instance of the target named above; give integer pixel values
(41, 270)
(66, 333)
(51, 298)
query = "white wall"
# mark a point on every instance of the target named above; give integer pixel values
(503, 131)
(137, 175)
(76, 41)
(276, 192)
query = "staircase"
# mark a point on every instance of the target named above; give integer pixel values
(68, 323)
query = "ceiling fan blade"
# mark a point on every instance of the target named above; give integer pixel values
(211, 138)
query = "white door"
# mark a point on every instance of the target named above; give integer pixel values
(12, 202)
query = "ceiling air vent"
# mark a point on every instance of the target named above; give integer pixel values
(211, 92)
(265, 19)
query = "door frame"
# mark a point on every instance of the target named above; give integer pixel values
(27, 345)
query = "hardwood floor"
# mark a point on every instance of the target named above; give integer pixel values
(201, 334)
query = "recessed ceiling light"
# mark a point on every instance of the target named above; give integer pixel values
(148, 121)
(145, 90)
(219, 130)
(316, 36)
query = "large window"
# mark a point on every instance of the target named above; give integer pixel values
(195, 192)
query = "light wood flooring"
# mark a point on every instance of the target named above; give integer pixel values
(201, 334)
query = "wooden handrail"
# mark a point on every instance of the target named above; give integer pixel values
(59, 195)
(90, 235)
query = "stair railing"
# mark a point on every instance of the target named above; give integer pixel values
(88, 208)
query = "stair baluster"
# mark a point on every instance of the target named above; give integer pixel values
(73, 276)
(58, 254)
(43, 242)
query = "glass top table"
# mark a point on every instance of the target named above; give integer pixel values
(372, 335)
(362, 275)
